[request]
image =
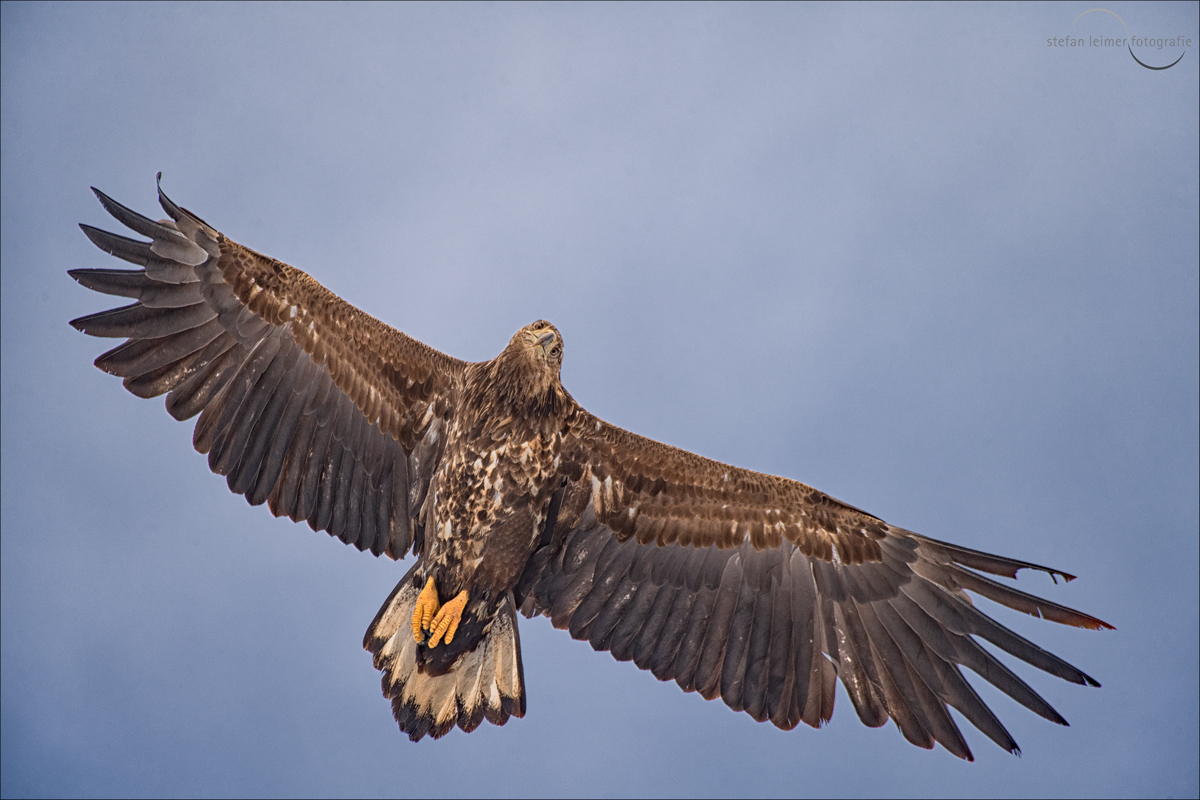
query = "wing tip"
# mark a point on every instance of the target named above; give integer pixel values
(1083, 620)
(1086, 621)
(100, 238)
(1054, 574)
(1066, 576)
(163, 200)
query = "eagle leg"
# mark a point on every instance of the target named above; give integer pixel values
(447, 619)
(427, 605)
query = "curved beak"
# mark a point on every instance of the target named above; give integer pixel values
(541, 342)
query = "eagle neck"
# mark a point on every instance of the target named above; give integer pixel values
(505, 392)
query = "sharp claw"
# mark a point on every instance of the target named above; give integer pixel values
(427, 606)
(427, 612)
(447, 619)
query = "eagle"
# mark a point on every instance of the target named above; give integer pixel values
(735, 584)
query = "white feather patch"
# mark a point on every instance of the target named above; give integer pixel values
(484, 676)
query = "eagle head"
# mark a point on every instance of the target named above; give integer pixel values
(541, 343)
(534, 356)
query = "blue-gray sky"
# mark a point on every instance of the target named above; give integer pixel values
(911, 255)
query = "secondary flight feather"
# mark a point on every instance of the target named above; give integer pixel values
(753, 588)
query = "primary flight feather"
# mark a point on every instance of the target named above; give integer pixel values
(753, 588)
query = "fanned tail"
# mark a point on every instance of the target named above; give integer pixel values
(486, 682)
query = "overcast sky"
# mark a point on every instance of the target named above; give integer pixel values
(912, 255)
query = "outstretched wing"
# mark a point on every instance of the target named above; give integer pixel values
(762, 591)
(305, 402)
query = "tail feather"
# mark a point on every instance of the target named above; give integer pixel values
(486, 682)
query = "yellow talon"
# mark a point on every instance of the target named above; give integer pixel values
(427, 606)
(447, 619)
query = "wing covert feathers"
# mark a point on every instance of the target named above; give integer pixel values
(304, 402)
(653, 492)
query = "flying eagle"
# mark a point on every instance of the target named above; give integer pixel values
(753, 588)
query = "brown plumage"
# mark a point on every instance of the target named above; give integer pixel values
(750, 587)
